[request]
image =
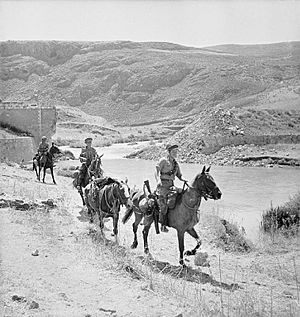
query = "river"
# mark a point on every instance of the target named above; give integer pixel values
(247, 191)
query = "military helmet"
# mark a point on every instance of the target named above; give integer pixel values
(170, 147)
(88, 140)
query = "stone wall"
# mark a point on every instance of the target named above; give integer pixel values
(17, 149)
(30, 118)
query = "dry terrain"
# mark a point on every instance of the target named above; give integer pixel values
(53, 263)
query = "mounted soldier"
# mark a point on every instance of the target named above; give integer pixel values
(43, 148)
(87, 155)
(166, 170)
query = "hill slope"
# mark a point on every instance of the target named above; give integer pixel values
(224, 90)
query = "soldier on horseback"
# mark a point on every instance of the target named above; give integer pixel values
(87, 155)
(43, 148)
(166, 170)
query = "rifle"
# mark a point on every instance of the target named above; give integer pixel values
(155, 212)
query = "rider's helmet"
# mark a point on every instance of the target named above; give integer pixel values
(170, 147)
(44, 138)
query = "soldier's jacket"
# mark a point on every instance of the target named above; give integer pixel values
(87, 155)
(168, 169)
(43, 148)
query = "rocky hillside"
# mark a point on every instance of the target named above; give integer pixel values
(220, 91)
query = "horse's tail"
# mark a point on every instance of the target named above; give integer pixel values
(34, 163)
(127, 215)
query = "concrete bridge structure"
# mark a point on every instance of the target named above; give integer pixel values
(28, 121)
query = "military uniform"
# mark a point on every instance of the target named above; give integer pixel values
(42, 149)
(168, 168)
(87, 155)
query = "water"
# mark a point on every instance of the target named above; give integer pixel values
(247, 191)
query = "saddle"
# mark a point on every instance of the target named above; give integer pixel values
(172, 198)
(101, 182)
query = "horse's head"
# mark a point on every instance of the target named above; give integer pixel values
(95, 166)
(206, 185)
(124, 194)
(54, 150)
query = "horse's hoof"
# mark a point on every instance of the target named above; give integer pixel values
(188, 253)
(134, 245)
(181, 262)
(146, 250)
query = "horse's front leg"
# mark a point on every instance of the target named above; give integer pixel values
(44, 174)
(80, 191)
(146, 229)
(52, 174)
(180, 236)
(195, 235)
(39, 173)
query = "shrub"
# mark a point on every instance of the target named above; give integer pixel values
(285, 218)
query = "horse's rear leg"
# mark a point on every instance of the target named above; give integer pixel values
(180, 236)
(51, 169)
(115, 223)
(145, 235)
(135, 225)
(194, 234)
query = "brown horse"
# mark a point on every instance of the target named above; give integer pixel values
(45, 162)
(105, 200)
(183, 217)
(94, 170)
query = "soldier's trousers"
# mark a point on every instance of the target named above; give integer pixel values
(163, 190)
(82, 173)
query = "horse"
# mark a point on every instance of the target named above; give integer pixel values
(105, 200)
(94, 170)
(183, 217)
(45, 161)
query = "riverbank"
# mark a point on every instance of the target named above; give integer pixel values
(76, 274)
(243, 155)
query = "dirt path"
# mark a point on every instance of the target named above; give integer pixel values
(66, 278)
(74, 275)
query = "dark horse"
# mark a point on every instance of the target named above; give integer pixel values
(184, 216)
(45, 161)
(105, 199)
(94, 170)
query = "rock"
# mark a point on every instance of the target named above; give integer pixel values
(34, 305)
(48, 202)
(201, 259)
(35, 252)
(18, 298)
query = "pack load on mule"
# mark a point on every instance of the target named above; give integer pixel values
(90, 167)
(104, 197)
(183, 215)
(44, 158)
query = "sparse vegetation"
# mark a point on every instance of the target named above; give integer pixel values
(284, 219)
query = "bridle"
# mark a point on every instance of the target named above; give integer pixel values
(206, 193)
